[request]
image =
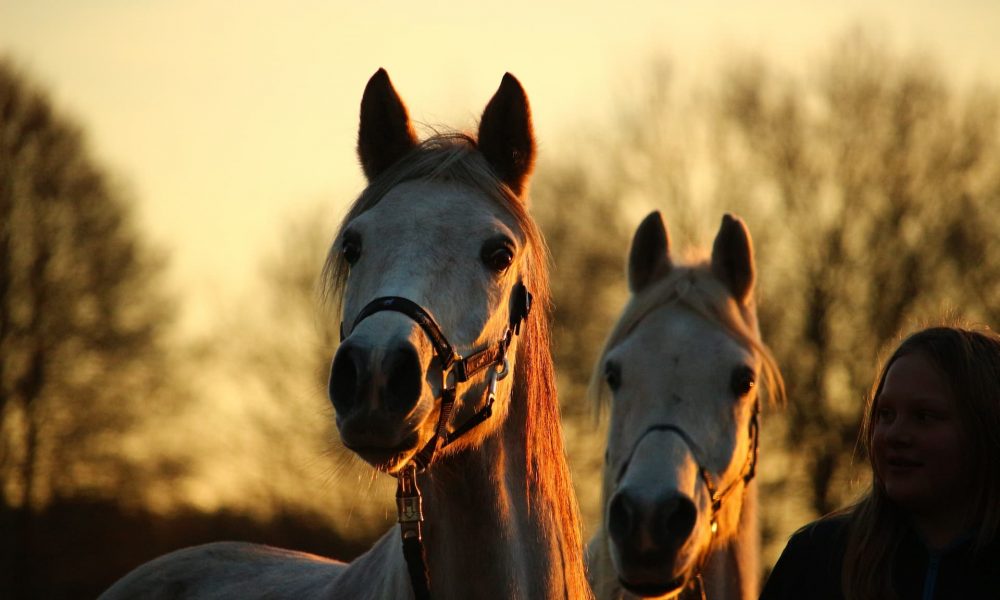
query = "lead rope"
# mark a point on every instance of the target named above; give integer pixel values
(409, 506)
(409, 502)
(698, 588)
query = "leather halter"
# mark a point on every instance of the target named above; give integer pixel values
(455, 369)
(747, 473)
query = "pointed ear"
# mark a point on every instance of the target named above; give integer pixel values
(649, 257)
(385, 133)
(732, 258)
(505, 134)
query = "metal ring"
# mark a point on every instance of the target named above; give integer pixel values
(505, 369)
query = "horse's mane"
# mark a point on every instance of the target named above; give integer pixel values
(454, 157)
(696, 287)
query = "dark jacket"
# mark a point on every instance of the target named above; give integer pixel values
(811, 564)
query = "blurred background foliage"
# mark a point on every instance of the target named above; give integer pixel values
(870, 183)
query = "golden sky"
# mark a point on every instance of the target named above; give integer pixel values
(224, 119)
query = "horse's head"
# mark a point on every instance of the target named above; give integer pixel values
(682, 366)
(441, 233)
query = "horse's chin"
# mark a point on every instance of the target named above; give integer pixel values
(648, 579)
(669, 589)
(388, 459)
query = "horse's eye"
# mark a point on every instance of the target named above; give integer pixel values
(497, 255)
(613, 376)
(351, 250)
(743, 380)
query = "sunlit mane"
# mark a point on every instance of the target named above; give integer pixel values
(454, 157)
(697, 288)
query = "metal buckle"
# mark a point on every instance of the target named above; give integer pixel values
(409, 503)
(497, 374)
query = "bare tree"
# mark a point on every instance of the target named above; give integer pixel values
(277, 351)
(881, 185)
(872, 188)
(81, 317)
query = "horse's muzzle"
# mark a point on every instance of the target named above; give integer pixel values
(363, 379)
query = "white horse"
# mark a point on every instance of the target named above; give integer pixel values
(682, 366)
(438, 257)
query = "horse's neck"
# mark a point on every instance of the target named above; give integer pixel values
(482, 537)
(732, 572)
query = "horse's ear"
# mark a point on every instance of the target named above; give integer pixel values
(385, 133)
(505, 134)
(732, 258)
(649, 257)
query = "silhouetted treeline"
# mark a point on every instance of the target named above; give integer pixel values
(875, 188)
(79, 548)
(871, 186)
(872, 189)
(82, 360)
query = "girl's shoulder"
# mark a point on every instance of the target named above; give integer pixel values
(811, 563)
(824, 532)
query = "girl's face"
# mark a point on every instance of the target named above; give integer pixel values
(920, 453)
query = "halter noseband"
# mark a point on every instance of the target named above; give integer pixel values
(747, 473)
(409, 504)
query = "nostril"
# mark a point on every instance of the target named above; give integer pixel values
(402, 367)
(621, 517)
(344, 376)
(675, 522)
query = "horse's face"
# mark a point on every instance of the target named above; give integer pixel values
(675, 369)
(456, 254)
(683, 400)
(454, 251)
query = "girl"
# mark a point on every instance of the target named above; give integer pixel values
(929, 527)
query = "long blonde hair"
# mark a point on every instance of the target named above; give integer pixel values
(970, 361)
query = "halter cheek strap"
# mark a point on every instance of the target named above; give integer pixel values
(409, 504)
